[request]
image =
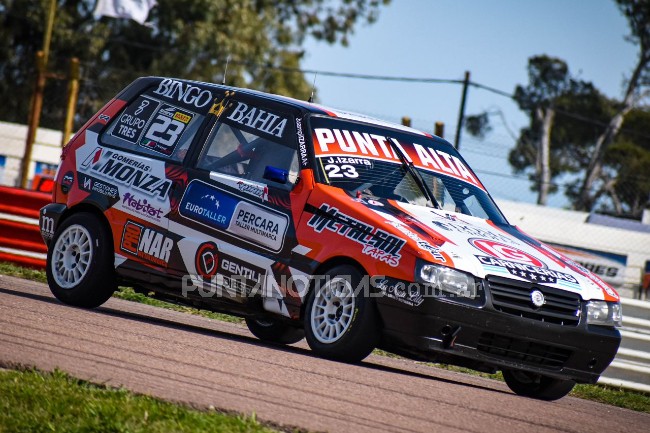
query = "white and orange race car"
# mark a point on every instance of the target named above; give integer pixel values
(311, 222)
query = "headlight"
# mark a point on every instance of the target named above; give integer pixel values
(447, 280)
(604, 313)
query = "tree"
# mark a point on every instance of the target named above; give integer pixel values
(186, 38)
(637, 13)
(548, 82)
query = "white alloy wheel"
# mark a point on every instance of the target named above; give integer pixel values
(71, 257)
(332, 310)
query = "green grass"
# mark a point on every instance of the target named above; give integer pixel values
(36, 402)
(605, 394)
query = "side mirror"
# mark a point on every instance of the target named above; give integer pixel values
(275, 174)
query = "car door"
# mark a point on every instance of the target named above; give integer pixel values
(235, 214)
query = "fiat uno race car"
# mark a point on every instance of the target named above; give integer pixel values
(311, 222)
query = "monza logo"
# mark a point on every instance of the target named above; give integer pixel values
(206, 260)
(127, 171)
(505, 252)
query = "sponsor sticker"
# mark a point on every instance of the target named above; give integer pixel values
(165, 130)
(407, 293)
(224, 211)
(47, 227)
(302, 145)
(67, 182)
(133, 172)
(184, 92)
(208, 205)
(375, 242)
(141, 206)
(258, 119)
(133, 120)
(206, 259)
(146, 243)
(259, 225)
(92, 184)
(342, 142)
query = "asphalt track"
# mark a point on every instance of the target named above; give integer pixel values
(202, 362)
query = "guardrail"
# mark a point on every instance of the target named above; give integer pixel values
(20, 237)
(631, 367)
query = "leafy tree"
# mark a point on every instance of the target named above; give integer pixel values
(637, 13)
(186, 38)
(549, 84)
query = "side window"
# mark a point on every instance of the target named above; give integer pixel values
(153, 127)
(231, 150)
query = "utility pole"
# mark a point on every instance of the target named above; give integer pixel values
(73, 93)
(37, 99)
(461, 114)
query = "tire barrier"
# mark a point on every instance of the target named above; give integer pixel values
(20, 236)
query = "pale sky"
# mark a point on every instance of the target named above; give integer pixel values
(491, 39)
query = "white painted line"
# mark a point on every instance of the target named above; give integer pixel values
(19, 219)
(635, 335)
(24, 253)
(624, 384)
(639, 354)
(629, 366)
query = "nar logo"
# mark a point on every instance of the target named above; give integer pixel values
(258, 119)
(146, 243)
(127, 171)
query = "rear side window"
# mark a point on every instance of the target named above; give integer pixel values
(153, 127)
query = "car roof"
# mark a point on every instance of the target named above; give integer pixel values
(308, 107)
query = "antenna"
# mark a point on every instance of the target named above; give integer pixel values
(225, 70)
(313, 87)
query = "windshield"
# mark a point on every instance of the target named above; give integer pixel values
(383, 163)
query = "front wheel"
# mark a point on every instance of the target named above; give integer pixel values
(274, 331)
(537, 386)
(340, 322)
(80, 259)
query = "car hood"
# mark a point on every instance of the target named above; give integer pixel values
(482, 248)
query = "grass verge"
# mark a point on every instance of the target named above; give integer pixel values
(601, 393)
(35, 402)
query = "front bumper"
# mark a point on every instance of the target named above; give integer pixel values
(484, 338)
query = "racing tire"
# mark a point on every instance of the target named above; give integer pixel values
(274, 331)
(80, 270)
(537, 386)
(340, 324)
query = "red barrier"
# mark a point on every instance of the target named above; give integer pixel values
(20, 237)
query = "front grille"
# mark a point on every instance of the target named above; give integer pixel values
(537, 354)
(513, 297)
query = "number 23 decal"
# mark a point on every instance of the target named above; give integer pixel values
(345, 170)
(165, 130)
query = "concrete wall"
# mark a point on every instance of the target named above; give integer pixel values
(47, 149)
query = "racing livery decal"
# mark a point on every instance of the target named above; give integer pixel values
(376, 243)
(224, 211)
(146, 243)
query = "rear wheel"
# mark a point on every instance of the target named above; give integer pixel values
(80, 259)
(339, 323)
(537, 386)
(274, 331)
